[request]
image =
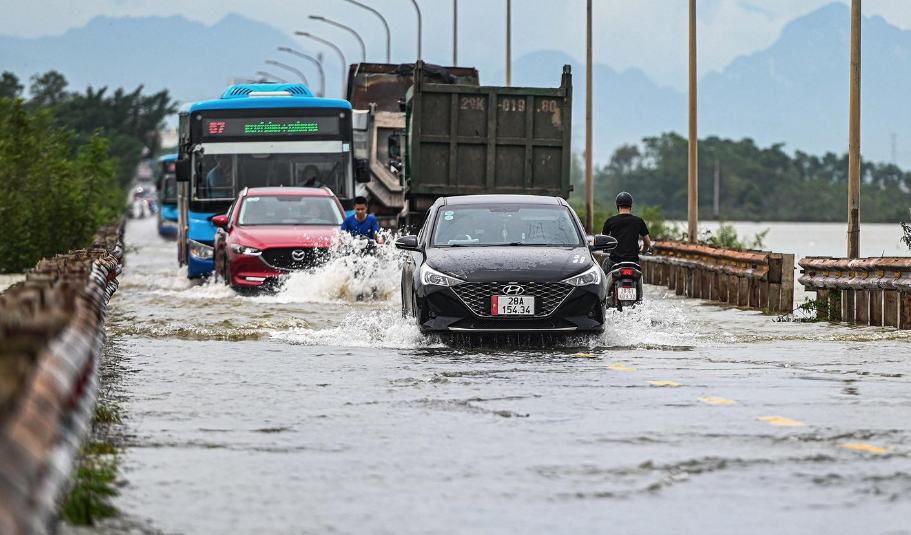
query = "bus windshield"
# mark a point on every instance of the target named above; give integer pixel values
(222, 176)
(168, 189)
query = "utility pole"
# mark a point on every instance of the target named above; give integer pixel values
(854, 137)
(455, 32)
(508, 43)
(589, 149)
(693, 189)
(716, 205)
(854, 154)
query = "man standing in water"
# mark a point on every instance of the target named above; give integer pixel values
(361, 223)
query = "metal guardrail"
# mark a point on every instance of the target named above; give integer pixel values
(51, 336)
(881, 287)
(761, 280)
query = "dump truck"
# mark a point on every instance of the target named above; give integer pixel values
(430, 131)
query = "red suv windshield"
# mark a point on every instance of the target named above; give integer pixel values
(289, 210)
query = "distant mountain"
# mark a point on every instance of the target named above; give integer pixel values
(794, 92)
(192, 60)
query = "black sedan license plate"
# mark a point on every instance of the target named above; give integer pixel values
(513, 305)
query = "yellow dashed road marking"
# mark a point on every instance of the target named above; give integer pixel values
(621, 368)
(712, 400)
(664, 383)
(587, 355)
(860, 446)
(781, 420)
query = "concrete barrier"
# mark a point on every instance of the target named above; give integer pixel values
(761, 280)
(881, 289)
(51, 336)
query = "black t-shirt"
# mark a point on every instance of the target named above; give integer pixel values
(626, 228)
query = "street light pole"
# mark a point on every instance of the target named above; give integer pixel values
(854, 137)
(693, 188)
(455, 32)
(589, 148)
(337, 51)
(385, 25)
(509, 42)
(854, 156)
(417, 9)
(318, 63)
(349, 30)
(289, 68)
(265, 74)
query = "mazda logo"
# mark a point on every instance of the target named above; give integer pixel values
(298, 254)
(513, 289)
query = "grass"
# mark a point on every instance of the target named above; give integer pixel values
(93, 488)
(107, 414)
(93, 482)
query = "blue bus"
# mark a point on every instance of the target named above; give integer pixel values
(257, 135)
(166, 186)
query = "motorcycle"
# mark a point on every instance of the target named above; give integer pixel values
(362, 261)
(625, 283)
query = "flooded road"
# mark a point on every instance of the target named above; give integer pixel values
(306, 412)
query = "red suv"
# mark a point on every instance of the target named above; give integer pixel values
(269, 232)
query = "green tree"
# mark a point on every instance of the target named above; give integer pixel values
(9, 85)
(56, 192)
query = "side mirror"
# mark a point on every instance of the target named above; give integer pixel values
(603, 243)
(361, 170)
(407, 243)
(220, 221)
(183, 169)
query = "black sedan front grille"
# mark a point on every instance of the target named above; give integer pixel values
(477, 295)
(292, 258)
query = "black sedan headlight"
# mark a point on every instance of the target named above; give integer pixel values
(588, 277)
(432, 277)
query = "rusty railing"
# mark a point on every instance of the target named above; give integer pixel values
(881, 287)
(51, 335)
(761, 280)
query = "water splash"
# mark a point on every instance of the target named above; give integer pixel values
(347, 276)
(377, 328)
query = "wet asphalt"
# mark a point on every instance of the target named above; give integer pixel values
(307, 412)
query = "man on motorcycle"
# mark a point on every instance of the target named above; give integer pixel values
(627, 229)
(361, 223)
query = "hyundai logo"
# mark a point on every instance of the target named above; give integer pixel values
(298, 254)
(513, 289)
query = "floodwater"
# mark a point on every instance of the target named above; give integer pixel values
(307, 412)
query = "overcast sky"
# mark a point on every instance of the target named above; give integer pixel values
(648, 34)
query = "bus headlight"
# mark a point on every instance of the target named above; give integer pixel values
(201, 250)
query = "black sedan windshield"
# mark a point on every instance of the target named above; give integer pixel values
(289, 210)
(501, 225)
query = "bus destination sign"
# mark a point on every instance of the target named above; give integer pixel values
(270, 126)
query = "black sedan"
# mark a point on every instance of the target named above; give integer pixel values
(503, 263)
